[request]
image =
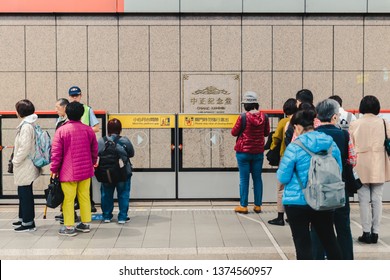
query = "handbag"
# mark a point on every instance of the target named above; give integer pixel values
(351, 179)
(273, 156)
(54, 194)
(267, 145)
(10, 164)
(350, 176)
(387, 140)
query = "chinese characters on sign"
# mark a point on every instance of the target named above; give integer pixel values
(211, 93)
(145, 120)
(207, 121)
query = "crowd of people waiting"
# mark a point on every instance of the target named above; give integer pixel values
(356, 144)
(74, 156)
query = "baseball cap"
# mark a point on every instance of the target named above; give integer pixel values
(250, 97)
(75, 90)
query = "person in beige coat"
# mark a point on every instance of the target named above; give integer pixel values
(25, 171)
(373, 165)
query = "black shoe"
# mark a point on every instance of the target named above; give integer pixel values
(83, 227)
(23, 228)
(365, 238)
(76, 206)
(17, 224)
(76, 219)
(374, 238)
(276, 222)
(93, 209)
(59, 217)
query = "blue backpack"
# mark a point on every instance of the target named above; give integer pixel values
(42, 154)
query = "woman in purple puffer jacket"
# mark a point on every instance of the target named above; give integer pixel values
(250, 151)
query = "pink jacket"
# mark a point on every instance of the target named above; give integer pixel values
(74, 152)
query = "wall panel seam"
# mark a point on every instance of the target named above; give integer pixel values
(25, 62)
(119, 83)
(56, 50)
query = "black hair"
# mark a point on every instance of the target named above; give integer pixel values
(114, 126)
(304, 95)
(250, 106)
(370, 104)
(304, 118)
(290, 106)
(338, 99)
(24, 108)
(74, 111)
(306, 106)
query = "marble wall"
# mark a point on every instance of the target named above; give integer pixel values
(136, 63)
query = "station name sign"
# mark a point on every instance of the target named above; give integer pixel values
(210, 93)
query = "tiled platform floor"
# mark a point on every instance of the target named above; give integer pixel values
(166, 230)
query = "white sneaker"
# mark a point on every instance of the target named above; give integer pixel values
(107, 221)
(125, 221)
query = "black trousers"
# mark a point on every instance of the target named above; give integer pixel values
(300, 219)
(26, 204)
(342, 224)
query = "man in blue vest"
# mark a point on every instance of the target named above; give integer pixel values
(88, 118)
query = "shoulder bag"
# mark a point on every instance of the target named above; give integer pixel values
(387, 140)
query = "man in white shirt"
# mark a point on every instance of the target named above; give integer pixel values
(345, 117)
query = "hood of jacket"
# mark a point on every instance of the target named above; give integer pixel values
(29, 119)
(316, 141)
(255, 119)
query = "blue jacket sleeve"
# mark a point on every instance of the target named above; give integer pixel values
(287, 165)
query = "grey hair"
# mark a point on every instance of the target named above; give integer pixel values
(326, 109)
(63, 101)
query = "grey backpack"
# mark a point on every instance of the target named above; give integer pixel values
(325, 189)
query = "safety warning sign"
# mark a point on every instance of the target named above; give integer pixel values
(207, 121)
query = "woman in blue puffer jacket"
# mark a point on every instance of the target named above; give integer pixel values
(300, 215)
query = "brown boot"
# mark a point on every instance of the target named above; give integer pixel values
(257, 209)
(242, 210)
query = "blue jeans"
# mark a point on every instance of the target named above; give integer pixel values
(250, 164)
(123, 192)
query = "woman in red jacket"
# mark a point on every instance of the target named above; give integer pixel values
(250, 151)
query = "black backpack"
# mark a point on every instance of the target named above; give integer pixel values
(243, 125)
(111, 168)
